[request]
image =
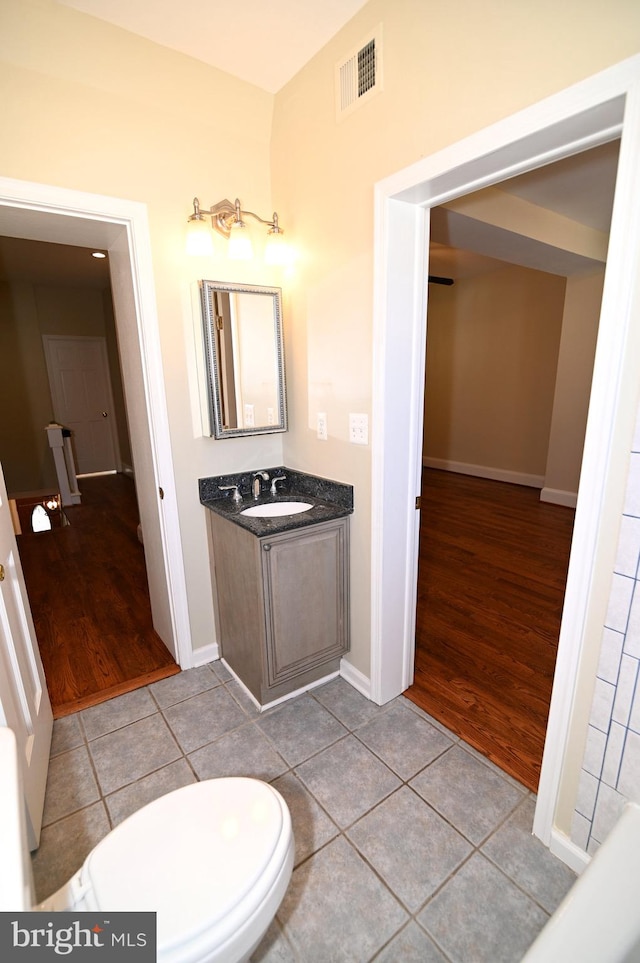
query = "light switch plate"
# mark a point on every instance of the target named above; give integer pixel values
(359, 429)
(322, 426)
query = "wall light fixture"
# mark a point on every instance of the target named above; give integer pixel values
(228, 220)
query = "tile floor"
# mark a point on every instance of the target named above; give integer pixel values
(409, 845)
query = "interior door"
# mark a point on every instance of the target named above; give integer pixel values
(82, 400)
(24, 701)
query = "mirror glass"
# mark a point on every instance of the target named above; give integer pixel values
(244, 358)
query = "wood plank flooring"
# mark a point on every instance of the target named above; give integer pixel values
(492, 573)
(87, 586)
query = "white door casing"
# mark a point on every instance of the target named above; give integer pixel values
(24, 701)
(78, 370)
(590, 113)
(59, 215)
(16, 878)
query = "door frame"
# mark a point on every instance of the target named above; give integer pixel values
(120, 227)
(101, 341)
(585, 115)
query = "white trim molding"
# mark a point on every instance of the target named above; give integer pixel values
(574, 857)
(556, 496)
(593, 112)
(355, 678)
(485, 471)
(60, 215)
(205, 654)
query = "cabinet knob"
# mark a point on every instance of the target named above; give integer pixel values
(267, 547)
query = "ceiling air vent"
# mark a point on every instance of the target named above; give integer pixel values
(359, 76)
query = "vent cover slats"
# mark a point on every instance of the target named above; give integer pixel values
(366, 68)
(359, 76)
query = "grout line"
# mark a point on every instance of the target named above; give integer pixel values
(291, 771)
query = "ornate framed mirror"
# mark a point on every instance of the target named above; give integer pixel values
(244, 358)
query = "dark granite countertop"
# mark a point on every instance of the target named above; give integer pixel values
(330, 499)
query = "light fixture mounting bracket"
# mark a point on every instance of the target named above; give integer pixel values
(223, 215)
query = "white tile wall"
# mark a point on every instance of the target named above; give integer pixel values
(611, 767)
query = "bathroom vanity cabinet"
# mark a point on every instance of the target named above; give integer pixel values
(282, 603)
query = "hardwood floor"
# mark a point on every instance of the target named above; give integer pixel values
(88, 591)
(492, 572)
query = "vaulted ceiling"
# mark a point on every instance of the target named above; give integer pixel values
(266, 44)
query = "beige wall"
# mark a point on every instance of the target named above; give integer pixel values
(450, 68)
(492, 351)
(573, 384)
(27, 312)
(509, 365)
(86, 106)
(91, 107)
(24, 450)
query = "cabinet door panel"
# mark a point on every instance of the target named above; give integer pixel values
(305, 591)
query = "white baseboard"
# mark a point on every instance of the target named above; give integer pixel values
(558, 497)
(297, 692)
(484, 471)
(570, 854)
(284, 698)
(97, 474)
(355, 678)
(246, 691)
(208, 653)
(359, 681)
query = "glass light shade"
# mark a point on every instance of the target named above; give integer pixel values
(240, 246)
(277, 250)
(199, 240)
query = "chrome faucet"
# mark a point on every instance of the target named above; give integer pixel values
(237, 497)
(274, 490)
(256, 482)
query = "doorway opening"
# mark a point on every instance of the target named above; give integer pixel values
(63, 217)
(592, 112)
(86, 580)
(510, 352)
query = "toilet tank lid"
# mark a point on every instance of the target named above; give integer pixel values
(192, 855)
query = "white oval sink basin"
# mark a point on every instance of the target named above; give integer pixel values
(275, 509)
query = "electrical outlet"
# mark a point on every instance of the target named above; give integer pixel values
(321, 426)
(270, 416)
(249, 418)
(359, 429)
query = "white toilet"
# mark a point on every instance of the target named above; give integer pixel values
(212, 859)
